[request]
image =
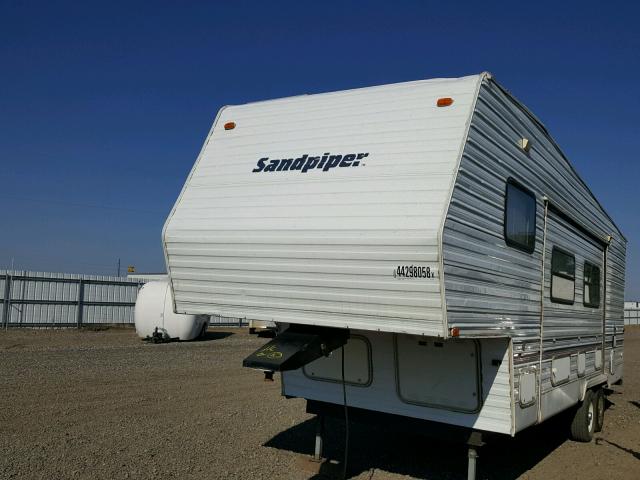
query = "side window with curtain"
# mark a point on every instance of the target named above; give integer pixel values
(591, 285)
(563, 277)
(519, 217)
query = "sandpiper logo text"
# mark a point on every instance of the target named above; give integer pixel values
(305, 163)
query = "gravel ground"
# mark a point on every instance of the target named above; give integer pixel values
(93, 405)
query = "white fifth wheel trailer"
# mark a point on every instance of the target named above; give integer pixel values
(425, 247)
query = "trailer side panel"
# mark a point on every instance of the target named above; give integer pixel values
(492, 288)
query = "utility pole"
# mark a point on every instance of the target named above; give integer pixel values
(118, 268)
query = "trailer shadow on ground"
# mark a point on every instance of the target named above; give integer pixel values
(630, 451)
(213, 335)
(373, 448)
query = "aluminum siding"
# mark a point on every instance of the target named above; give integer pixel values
(492, 288)
(566, 326)
(321, 247)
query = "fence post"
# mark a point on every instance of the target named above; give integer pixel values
(80, 303)
(6, 301)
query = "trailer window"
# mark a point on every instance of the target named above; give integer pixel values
(591, 285)
(520, 218)
(563, 276)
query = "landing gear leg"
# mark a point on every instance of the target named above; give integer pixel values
(317, 453)
(474, 442)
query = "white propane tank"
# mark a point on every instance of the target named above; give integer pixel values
(154, 309)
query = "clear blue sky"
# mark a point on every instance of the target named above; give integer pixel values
(104, 106)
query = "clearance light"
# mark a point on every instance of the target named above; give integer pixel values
(455, 332)
(230, 125)
(444, 101)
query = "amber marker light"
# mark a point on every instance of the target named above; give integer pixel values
(444, 101)
(230, 125)
(455, 332)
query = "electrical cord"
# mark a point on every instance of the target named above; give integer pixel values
(346, 420)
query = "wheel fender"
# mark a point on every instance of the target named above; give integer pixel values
(593, 382)
(583, 389)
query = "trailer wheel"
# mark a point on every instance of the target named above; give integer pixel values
(598, 402)
(584, 420)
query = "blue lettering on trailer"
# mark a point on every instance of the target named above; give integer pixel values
(303, 164)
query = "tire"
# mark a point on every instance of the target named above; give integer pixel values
(598, 402)
(584, 420)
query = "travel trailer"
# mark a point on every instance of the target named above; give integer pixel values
(425, 248)
(156, 321)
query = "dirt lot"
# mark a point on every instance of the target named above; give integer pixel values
(104, 405)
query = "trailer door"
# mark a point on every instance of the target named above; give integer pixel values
(573, 301)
